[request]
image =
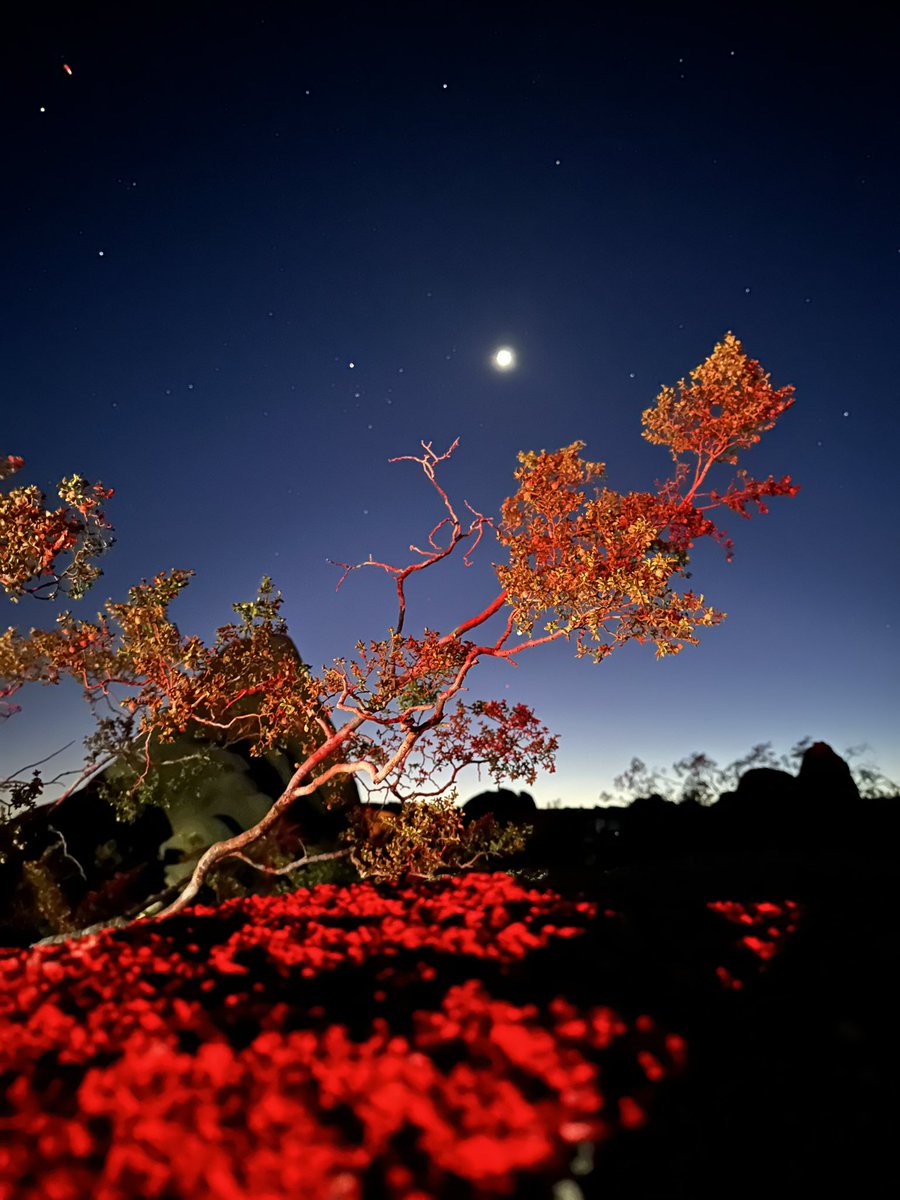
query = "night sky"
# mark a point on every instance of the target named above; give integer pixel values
(252, 252)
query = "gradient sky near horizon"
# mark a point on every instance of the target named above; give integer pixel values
(250, 253)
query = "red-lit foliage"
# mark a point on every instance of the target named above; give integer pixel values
(594, 567)
(32, 537)
(150, 1062)
(765, 927)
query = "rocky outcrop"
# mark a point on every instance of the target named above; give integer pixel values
(507, 807)
(823, 776)
(79, 860)
(761, 785)
(826, 775)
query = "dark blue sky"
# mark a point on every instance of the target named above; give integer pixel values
(223, 208)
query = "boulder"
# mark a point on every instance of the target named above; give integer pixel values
(825, 776)
(77, 859)
(766, 785)
(763, 812)
(652, 824)
(649, 808)
(197, 791)
(507, 807)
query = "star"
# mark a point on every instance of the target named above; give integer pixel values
(504, 359)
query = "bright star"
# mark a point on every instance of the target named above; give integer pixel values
(504, 359)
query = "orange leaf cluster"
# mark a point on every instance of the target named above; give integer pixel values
(32, 537)
(600, 567)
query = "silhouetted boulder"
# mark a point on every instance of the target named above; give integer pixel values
(763, 812)
(651, 824)
(505, 806)
(825, 776)
(649, 808)
(774, 808)
(766, 783)
(761, 785)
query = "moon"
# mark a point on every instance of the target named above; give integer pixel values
(504, 359)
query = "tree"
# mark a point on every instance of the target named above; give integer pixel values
(596, 568)
(32, 538)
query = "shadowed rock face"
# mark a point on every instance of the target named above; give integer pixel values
(766, 783)
(823, 777)
(763, 811)
(759, 781)
(506, 807)
(825, 773)
(56, 862)
(650, 807)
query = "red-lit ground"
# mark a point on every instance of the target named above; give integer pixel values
(468, 1038)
